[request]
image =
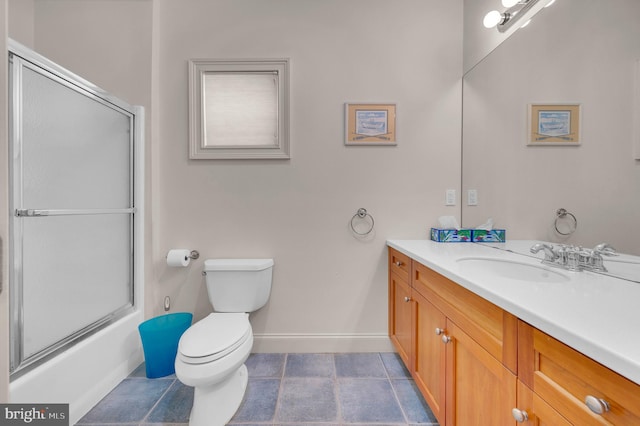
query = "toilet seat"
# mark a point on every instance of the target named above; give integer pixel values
(214, 337)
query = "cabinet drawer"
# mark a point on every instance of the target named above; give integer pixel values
(565, 378)
(399, 264)
(490, 326)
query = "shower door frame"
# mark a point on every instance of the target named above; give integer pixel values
(20, 56)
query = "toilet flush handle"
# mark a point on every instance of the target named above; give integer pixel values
(167, 303)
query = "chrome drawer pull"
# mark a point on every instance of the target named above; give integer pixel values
(520, 416)
(398, 264)
(446, 339)
(439, 331)
(597, 405)
(407, 299)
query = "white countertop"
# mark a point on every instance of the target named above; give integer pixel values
(595, 314)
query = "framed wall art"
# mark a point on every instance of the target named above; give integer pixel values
(370, 124)
(554, 124)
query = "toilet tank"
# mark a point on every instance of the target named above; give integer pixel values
(238, 285)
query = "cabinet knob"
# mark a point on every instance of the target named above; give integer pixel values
(407, 299)
(398, 263)
(597, 405)
(445, 338)
(520, 416)
(439, 331)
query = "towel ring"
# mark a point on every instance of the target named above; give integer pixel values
(362, 214)
(562, 214)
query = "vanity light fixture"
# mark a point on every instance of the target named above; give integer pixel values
(504, 20)
(510, 3)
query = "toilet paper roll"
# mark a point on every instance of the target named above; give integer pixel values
(179, 257)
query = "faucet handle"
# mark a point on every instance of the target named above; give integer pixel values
(549, 253)
(605, 249)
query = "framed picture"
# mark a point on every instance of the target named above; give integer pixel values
(370, 124)
(554, 124)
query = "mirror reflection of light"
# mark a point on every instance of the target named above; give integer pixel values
(492, 19)
(550, 3)
(526, 23)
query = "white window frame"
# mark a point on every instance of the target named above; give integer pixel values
(198, 149)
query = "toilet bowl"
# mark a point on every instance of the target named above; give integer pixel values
(212, 352)
(215, 366)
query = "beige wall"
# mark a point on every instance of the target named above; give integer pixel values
(20, 22)
(297, 211)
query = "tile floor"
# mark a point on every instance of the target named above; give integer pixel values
(283, 389)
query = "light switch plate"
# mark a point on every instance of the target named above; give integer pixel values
(450, 197)
(472, 197)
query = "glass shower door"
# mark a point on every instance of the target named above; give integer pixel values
(72, 205)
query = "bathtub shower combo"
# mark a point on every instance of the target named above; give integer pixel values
(76, 221)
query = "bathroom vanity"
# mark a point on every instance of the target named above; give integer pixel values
(495, 337)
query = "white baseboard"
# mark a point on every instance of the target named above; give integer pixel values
(321, 343)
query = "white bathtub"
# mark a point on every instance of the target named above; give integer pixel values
(82, 375)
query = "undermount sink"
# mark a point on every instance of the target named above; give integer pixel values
(511, 269)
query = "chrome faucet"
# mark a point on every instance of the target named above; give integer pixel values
(550, 256)
(575, 258)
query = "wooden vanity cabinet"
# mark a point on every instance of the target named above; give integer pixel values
(564, 379)
(400, 308)
(476, 364)
(462, 353)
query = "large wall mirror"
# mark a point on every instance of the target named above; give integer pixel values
(582, 52)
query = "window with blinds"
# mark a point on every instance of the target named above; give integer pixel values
(239, 109)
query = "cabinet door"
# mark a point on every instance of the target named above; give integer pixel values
(400, 317)
(538, 412)
(430, 360)
(480, 390)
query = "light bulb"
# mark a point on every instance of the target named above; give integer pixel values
(510, 3)
(492, 19)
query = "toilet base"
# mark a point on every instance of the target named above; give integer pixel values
(215, 405)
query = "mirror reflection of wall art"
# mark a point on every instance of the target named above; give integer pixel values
(370, 124)
(554, 124)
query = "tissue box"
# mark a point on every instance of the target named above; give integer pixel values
(451, 235)
(468, 235)
(493, 236)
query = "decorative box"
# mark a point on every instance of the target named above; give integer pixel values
(451, 235)
(493, 236)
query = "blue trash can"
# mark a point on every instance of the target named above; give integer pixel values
(160, 337)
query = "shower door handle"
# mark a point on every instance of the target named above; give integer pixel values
(31, 212)
(68, 212)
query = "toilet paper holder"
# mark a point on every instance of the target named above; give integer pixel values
(193, 254)
(181, 257)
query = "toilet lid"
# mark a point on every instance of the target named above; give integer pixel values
(214, 336)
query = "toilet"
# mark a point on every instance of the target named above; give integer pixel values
(212, 352)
